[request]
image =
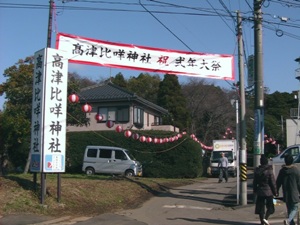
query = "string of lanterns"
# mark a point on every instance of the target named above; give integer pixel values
(73, 98)
(269, 140)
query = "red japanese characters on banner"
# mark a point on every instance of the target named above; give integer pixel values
(158, 60)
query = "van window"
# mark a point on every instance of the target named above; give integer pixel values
(292, 151)
(120, 155)
(105, 153)
(92, 152)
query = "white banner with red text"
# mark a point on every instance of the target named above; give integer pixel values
(127, 56)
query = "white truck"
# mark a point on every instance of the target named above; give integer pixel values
(229, 148)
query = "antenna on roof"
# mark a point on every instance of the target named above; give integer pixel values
(110, 74)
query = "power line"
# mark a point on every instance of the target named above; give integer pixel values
(166, 27)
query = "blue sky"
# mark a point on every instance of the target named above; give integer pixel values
(189, 25)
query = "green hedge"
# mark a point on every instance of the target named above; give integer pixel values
(178, 159)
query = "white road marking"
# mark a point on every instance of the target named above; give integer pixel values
(186, 207)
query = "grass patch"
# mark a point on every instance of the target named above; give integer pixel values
(80, 194)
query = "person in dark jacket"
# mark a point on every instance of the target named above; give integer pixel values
(289, 178)
(264, 187)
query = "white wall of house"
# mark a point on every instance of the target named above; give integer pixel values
(149, 123)
(292, 133)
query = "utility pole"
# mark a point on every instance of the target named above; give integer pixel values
(49, 35)
(258, 85)
(51, 2)
(243, 158)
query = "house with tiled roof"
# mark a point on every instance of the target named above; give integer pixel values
(122, 107)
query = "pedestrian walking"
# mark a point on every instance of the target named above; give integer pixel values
(289, 178)
(264, 187)
(223, 168)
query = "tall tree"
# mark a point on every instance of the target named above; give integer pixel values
(16, 116)
(210, 109)
(17, 110)
(120, 80)
(170, 97)
(145, 86)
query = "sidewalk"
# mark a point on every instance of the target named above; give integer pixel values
(205, 203)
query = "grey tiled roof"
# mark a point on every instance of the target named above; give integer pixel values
(105, 91)
(109, 92)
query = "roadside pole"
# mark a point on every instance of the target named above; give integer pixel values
(242, 144)
(258, 85)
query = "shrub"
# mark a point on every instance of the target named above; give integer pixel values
(178, 159)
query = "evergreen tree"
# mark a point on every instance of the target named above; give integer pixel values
(16, 117)
(171, 98)
(119, 80)
(145, 86)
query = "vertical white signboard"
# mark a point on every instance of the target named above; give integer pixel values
(49, 109)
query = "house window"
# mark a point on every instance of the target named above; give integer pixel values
(148, 119)
(157, 120)
(138, 117)
(117, 114)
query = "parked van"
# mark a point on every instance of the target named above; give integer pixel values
(293, 150)
(110, 160)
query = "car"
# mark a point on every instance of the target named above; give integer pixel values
(110, 160)
(293, 150)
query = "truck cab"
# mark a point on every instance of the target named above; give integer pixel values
(228, 147)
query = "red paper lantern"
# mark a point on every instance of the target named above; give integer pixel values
(166, 140)
(148, 139)
(98, 117)
(161, 141)
(142, 139)
(179, 135)
(110, 123)
(119, 129)
(155, 140)
(73, 98)
(86, 108)
(127, 133)
(135, 136)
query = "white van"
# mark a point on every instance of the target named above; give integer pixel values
(110, 160)
(293, 150)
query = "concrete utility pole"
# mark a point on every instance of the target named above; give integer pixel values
(49, 35)
(258, 85)
(243, 145)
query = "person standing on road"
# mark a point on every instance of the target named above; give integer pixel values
(264, 187)
(223, 166)
(289, 178)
